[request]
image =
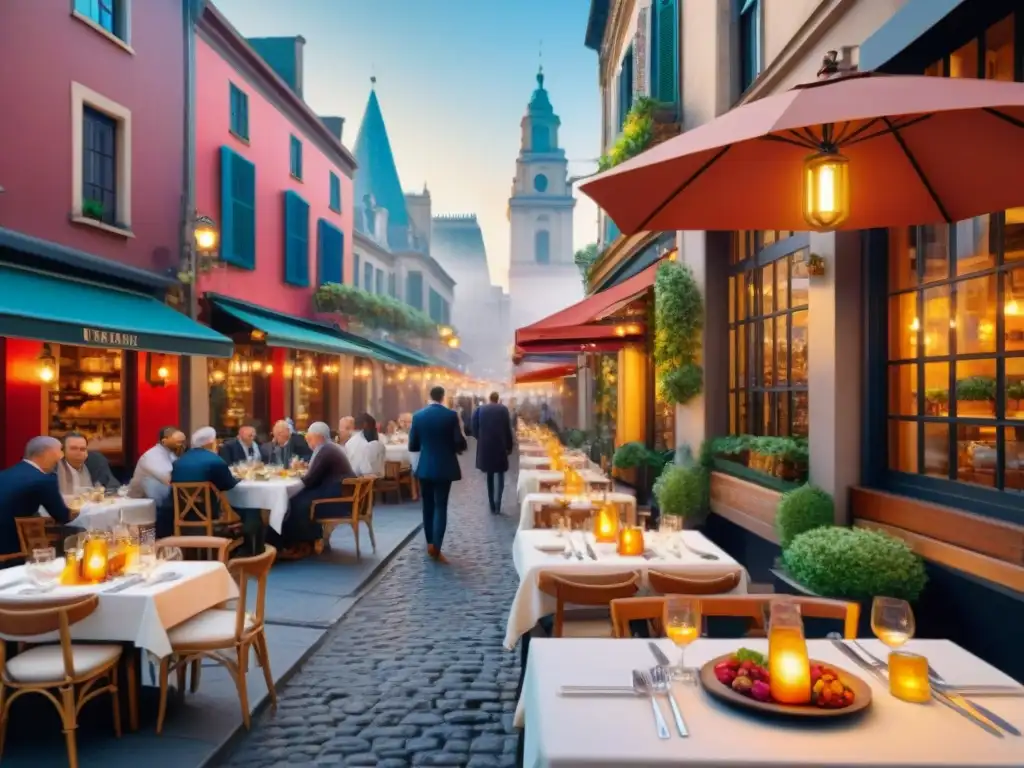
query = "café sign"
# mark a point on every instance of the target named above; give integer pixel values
(107, 337)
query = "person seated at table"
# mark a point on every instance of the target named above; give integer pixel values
(346, 426)
(242, 448)
(391, 429)
(152, 477)
(366, 453)
(199, 464)
(328, 467)
(285, 446)
(404, 423)
(29, 485)
(82, 469)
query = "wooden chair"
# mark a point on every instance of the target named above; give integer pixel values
(669, 584)
(406, 479)
(544, 516)
(215, 547)
(754, 608)
(225, 636)
(630, 609)
(201, 510)
(38, 533)
(390, 482)
(67, 674)
(592, 590)
(357, 493)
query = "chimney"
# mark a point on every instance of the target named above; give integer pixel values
(334, 125)
(285, 57)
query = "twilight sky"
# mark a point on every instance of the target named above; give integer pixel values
(453, 78)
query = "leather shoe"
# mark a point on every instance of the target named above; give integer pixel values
(432, 551)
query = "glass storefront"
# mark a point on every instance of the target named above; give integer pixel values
(956, 326)
(768, 298)
(240, 390)
(86, 396)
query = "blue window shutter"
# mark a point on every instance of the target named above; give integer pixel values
(341, 257)
(237, 209)
(665, 51)
(335, 204)
(355, 271)
(330, 242)
(296, 240)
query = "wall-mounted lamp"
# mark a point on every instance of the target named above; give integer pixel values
(445, 331)
(454, 342)
(257, 335)
(158, 369)
(47, 365)
(268, 369)
(206, 234)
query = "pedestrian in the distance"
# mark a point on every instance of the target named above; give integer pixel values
(492, 427)
(436, 435)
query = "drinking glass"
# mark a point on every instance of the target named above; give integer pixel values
(892, 621)
(42, 569)
(147, 561)
(123, 491)
(682, 626)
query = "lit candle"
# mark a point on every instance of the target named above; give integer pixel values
(631, 542)
(606, 524)
(789, 668)
(94, 565)
(908, 677)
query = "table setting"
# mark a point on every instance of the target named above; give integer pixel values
(780, 701)
(266, 487)
(531, 480)
(606, 549)
(574, 460)
(579, 502)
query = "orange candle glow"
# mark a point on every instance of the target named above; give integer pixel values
(94, 564)
(789, 668)
(606, 525)
(908, 677)
(631, 542)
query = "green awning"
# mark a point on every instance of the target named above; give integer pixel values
(293, 333)
(47, 307)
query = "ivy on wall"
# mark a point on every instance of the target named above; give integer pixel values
(584, 258)
(373, 310)
(637, 134)
(678, 322)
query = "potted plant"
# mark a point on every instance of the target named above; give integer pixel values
(800, 510)
(680, 491)
(851, 564)
(93, 209)
(734, 448)
(936, 400)
(1015, 392)
(642, 463)
(976, 395)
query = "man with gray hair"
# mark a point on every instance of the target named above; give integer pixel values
(328, 467)
(29, 485)
(199, 464)
(284, 446)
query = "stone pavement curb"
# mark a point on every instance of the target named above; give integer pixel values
(218, 753)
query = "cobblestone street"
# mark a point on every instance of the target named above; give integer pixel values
(415, 674)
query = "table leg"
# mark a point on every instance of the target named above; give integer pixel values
(133, 672)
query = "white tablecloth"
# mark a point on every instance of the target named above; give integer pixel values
(529, 480)
(141, 614)
(271, 495)
(397, 452)
(530, 604)
(543, 462)
(584, 732)
(532, 449)
(108, 513)
(530, 499)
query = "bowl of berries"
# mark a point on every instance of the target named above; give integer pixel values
(742, 679)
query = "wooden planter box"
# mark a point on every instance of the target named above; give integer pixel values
(745, 504)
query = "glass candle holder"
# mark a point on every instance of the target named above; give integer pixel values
(789, 668)
(631, 541)
(908, 677)
(94, 559)
(606, 525)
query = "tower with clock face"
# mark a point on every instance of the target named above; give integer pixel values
(542, 275)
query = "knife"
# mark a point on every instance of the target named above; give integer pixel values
(590, 549)
(942, 698)
(957, 697)
(677, 715)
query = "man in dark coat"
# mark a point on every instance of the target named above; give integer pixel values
(436, 434)
(241, 448)
(492, 427)
(285, 446)
(199, 464)
(29, 485)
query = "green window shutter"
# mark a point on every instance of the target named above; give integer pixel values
(665, 52)
(296, 240)
(330, 258)
(237, 209)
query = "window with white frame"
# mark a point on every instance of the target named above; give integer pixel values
(101, 159)
(111, 18)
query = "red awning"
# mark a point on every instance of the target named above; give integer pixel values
(572, 323)
(551, 373)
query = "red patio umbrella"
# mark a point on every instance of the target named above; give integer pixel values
(913, 150)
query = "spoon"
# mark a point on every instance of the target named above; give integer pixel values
(644, 686)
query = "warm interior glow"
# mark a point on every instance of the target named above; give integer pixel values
(826, 190)
(46, 373)
(162, 372)
(453, 342)
(93, 387)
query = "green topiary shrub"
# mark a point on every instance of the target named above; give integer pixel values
(637, 455)
(680, 490)
(855, 564)
(803, 509)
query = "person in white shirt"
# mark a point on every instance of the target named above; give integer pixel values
(346, 426)
(152, 478)
(365, 450)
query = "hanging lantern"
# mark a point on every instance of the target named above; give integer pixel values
(826, 190)
(47, 365)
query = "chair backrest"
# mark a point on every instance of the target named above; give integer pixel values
(246, 569)
(590, 589)
(629, 609)
(36, 533)
(196, 506)
(366, 502)
(392, 470)
(544, 516)
(25, 619)
(206, 544)
(669, 584)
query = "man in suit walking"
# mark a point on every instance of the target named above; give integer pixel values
(29, 485)
(492, 428)
(436, 435)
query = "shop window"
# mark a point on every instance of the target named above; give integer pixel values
(87, 397)
(240, 391)
(768, 337)
(304, 387)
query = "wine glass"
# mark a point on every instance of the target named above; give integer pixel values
(42, 569)
(682, 626)
(892, 621)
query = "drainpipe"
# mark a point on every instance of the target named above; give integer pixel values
(192, 10)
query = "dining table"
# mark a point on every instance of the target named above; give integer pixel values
(574, 460)
(682, 553)
(619, 731)
(590, 501)
(397, 452)
(114, 510)
(271, 495)
(531, 480)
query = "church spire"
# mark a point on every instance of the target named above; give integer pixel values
(376, 182)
